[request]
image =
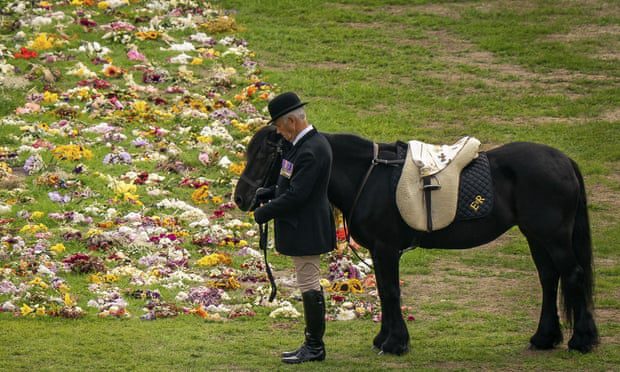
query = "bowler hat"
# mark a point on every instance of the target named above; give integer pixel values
(283, 104)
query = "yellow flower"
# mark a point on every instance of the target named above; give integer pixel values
(40, 311)
(201, 195)
(44, 4)
(37, 214)
(71, 152)
(196, 61)
(237, 168)
(110, 278)
(95, 279)
(214, 259)
(25, 310)
(112, 71)
(132, 198)
(204, 139)
(217, 200)
(33, 229)
(121, 187)
(49, 97)
(140, 106)
(68, 300)
(77, 2)
(93, 232)
(103, 5)
(58, 248)
(42, 42)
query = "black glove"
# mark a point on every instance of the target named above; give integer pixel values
(259, 215)
(264, 194)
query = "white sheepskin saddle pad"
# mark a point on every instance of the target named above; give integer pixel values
(442, 165)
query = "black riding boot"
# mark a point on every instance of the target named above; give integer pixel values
(314, 314)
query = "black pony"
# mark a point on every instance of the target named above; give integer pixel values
(537, 188)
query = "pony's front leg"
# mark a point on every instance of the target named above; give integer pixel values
(393, 337)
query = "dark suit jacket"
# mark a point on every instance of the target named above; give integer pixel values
(304, 221)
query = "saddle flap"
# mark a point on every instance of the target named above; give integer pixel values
(443, 164)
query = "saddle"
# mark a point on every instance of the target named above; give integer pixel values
(427, 192)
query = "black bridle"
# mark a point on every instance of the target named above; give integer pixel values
(263, 229)
(266, 179)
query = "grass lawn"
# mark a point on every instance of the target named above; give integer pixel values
(502, 71)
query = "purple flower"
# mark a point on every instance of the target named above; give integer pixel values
(140, 142)
(205, 296)
(57, 197)
(33, 164)
(7, 287)
(224, 115)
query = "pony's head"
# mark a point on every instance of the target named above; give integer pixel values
(263, 155)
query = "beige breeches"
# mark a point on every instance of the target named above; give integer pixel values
(308, 272)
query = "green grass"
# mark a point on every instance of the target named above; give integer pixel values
(387, 70)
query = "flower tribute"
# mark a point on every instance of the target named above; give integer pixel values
(118, 164)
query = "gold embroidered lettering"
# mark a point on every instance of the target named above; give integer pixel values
(477, 203)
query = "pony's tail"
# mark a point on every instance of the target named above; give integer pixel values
(582, 248)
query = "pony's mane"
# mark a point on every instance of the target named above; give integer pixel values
(350, 144)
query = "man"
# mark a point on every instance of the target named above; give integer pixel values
(304, 222)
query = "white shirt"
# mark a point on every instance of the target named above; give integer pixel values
(302, 133)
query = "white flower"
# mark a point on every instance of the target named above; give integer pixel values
(344, 314)
(113, 4)
(182, 296)
(81, 71)
(4, 209)
(202, 223)
(133, 217)
(224, 162)
(216, 129)
(111, 213)
(182, 59)
(184, 47)
(40, 21)
(286, 310)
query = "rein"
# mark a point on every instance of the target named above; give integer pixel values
(263, 229)
(375, 161)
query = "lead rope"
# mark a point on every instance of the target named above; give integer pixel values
(264, 234)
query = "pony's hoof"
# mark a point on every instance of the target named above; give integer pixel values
(538, 342)
(584, 341)
(394, 348)
(582, 347)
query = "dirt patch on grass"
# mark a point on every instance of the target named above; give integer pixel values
(455, 51)
(585, 32)
(483, 289)
(612, 115)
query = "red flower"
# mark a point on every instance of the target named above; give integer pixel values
(25, 53)
(88, 22)
(341, 234)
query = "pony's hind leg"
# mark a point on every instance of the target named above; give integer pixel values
(549, 334)
(394, 336)
(576, 287)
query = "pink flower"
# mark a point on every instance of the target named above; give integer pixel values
(204, 158)
(134, 55)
